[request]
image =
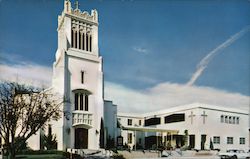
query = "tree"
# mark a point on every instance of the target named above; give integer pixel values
(23, 111)
(49, 141)
(185, 137)
(211, 144)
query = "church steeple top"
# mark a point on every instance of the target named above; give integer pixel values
(93, 17)
(78, 30)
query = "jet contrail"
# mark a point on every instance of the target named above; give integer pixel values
(205, 61)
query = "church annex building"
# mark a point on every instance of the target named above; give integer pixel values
(88, 121)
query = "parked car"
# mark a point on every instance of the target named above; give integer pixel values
(234, 154)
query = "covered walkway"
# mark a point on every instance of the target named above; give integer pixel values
(150, 129)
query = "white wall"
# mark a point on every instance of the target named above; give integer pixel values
(212, 126)
(110, 120)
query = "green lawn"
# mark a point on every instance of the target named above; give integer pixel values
(42, 156)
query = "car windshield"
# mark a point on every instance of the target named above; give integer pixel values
(235, 151)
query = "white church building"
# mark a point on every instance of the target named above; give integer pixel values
(226, 128)
(88, 122)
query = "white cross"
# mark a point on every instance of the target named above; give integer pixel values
(204, 115)
(77, 4)
(191, 116)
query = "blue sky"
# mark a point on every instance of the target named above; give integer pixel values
(144, 43)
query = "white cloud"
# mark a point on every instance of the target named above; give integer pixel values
(140, 49)
(161, 96)
(166, 95)
(30, 74)
(205, 61)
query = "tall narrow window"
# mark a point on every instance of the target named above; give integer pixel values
(86, 103)
(87, 42)
(90, 43)
(129, 121)
(129, 138)
(72, 38)
(222, 119)
(242, 141)
(76, 101)
(230, 140)
(80, 40)
(226, 119)
(216, 140)
(76, 39)
(83, 41)
(237, 120)
(81, 101)
(82, 77)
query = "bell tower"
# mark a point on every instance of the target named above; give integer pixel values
(77, 29)
(78, 79)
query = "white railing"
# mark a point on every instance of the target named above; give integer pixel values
(81, 118)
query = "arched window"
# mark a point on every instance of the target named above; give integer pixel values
(81, 99)
(75, 40)
(237, 120)
(222, 118)
(233, 120)
(76, 101)
(80, 40)
(86, 103)
(90, 43)
(230, 120)
(83, 41)
(72, 38)
(226, 119)
(87, 42)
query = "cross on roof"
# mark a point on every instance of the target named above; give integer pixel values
(204, 115)
(77, 5)
(191, 116)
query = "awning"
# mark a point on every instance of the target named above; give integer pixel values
(149, 129)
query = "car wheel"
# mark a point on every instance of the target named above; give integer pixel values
(224, 157)
(234, 157)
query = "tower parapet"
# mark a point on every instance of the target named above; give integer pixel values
(93, 17)
(78, 30)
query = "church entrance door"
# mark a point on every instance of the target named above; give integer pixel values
(81, 138)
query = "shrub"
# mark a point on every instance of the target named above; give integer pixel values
(118, 156)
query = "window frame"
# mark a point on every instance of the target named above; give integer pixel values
(81, 100)
(242, 140)
(222, 119)
(230, 140)
(130, 138)
(82, 77)
(216, 140)
(130, 123)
